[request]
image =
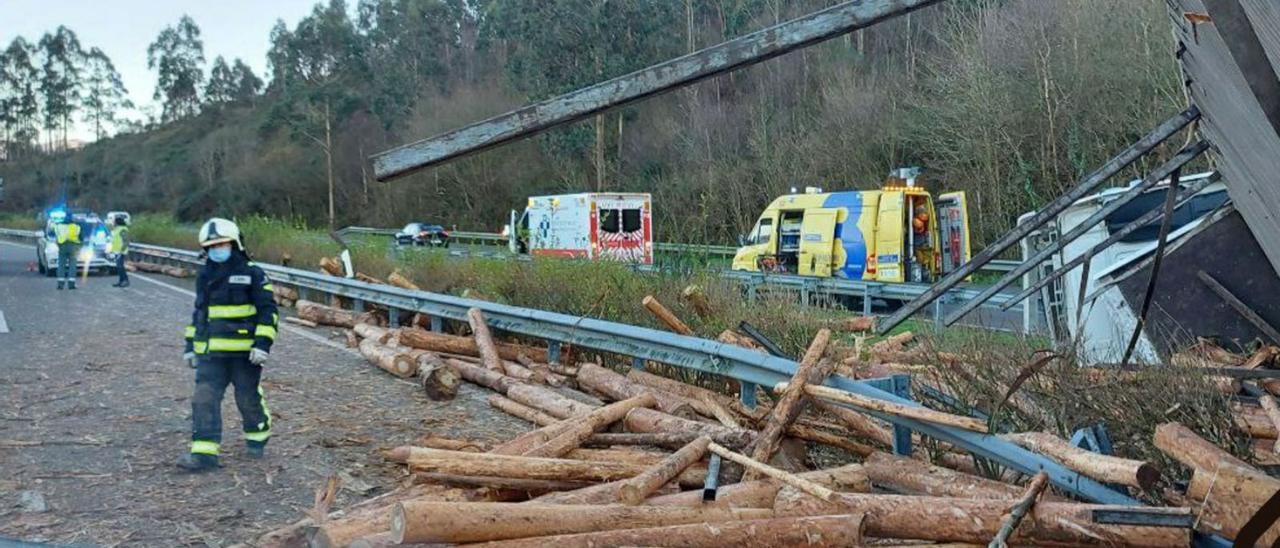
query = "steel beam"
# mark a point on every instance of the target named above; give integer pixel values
(1168, 168)
(660, 78)
(1086, 186)
(1146, 219)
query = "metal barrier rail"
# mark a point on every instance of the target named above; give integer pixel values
(748, 367)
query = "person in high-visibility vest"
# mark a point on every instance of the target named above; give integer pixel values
(228, 341)
(67, 233)
(120, 246)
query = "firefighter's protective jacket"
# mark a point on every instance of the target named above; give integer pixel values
(235, 309)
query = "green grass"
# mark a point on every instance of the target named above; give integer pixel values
(19, 221)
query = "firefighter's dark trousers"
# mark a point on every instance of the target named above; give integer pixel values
(67, 263)
(213, 374)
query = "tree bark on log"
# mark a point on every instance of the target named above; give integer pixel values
(603, 381)
(478, 375)
(379, 335)
(697, 298)
(399, 280)
(634, 490)
(977, 521)
(439, 381)
(689, 392)
(301, 322)
(808, 433)
(812, 369)
(730, 336)
(859, 423)
(665, 315)
(1230, 495)
(325, 315)
(919, 413)
(1183, 445)
(479, 521)
(913, 477)
(332, 266)
(520, 410)
(1273, 412)
(1253, 420)
(1019, 510)
(295, 533)
(533, 487)
(484, 341)
(1135, 473)
(436, 442)
(892, 343)
(383, 540)
(388, 359)
(669, 440)
(464, 346)
(761, 493)
(837, 531)
(650, 421)
(765, 470)
(373, 519)
(549, 401)
(855, 324)
(583, 427)
(442, 461)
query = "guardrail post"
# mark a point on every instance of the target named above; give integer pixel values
(901, 434)
(553, 351)
(937, 316)
(637, 363)
(437, 324)
(747, 393)
(393, 317)
(751, 291)
(357, 305)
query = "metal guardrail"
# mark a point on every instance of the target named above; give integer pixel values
(748, 367)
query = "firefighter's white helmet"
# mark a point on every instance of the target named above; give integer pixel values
(217, 230)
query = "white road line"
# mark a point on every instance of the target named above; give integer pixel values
(293, 330)
(4, 327)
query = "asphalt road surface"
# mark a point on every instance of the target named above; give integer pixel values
(95, 407)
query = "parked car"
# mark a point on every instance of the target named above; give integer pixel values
(423, 234)
(92, 256)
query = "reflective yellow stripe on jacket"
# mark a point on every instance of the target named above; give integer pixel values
(231, 311)
(219, 344)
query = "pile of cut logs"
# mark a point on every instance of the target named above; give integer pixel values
(639, 459)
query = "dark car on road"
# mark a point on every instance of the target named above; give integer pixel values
(423, 234)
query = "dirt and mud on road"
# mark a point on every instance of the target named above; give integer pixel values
(95, 409)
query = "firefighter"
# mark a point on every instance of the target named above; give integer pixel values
(120, 246)
(67, 233)
(228, 341)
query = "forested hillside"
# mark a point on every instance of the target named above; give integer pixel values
(1010, 100)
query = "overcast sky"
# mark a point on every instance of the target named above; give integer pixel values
(124, 28)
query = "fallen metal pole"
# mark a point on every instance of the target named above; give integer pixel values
(1170, 167)
(1162, 132)
(1139, 223)
(660, 78)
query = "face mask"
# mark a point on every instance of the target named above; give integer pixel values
(220, 254)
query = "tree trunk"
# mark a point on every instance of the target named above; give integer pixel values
(479, 521)
(465, 346)
(808, 433)
(669, 440)
(603, 381)
(388, 359)
(439, 381)
(665, 316)
(1183, 445)
(913, 477)
(374, 516)
(855, 324)
(689, 392)
(761, 493)
(375, 508)
(859, 423)
(919, 413)
(1020, 509)
(533, 487)
(730, 336)
(977, 521)
(814, 532)
(648, 420)
(1253, 420)
(548, 400)
(377, 334)
(1231, 495)
(812, 369)
(762, 469)
(484, 341)
(301, 322)
(521, 411)
(635, 490)
(1140, 474)
(892, 343)
(583, 427)
(481, 376)
(383, 540)
(397, 279)
(697, 298)
(325, 315)
(328, 159)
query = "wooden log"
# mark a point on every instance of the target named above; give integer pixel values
(484, 341)
(720, 413)
(1253, 420)
(689, 392)
(438, 380)
(436, 442)
(859, 423)
(1261, 357)
(378, 507)
(523, 373)
(379, 335)
(429, 521)
(1273, 413)
(854, 324)
(535, 487)
(300, 321)
(792, 401)
(562, 369)
(543, 371)
(730, 336)
(697, 298)
(465, 346)
(583, 427)
(890, 408)
(837, 531)
(1135, 473)
(548, 400)
(483, 377)
(808, 433)
(382, 540)
(374, 519)
(528, 441)
(285, 292)
(761, 493)
(332, 266)
(635, 490)
(615, 386)
(388, 359)
(913, 477)
(1230, 495)
(399, 280)
(978, 520)
(648, 420)
(325, 315)
(461, 463)
(891, 343)
(769, 471)
(630, 455)
(353, 341)
(520, 410)
(1019, 510)
(665, 316)
(670, 440)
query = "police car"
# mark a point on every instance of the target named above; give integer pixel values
(94, 237)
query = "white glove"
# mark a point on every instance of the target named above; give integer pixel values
(258, 356)
(190, 358)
